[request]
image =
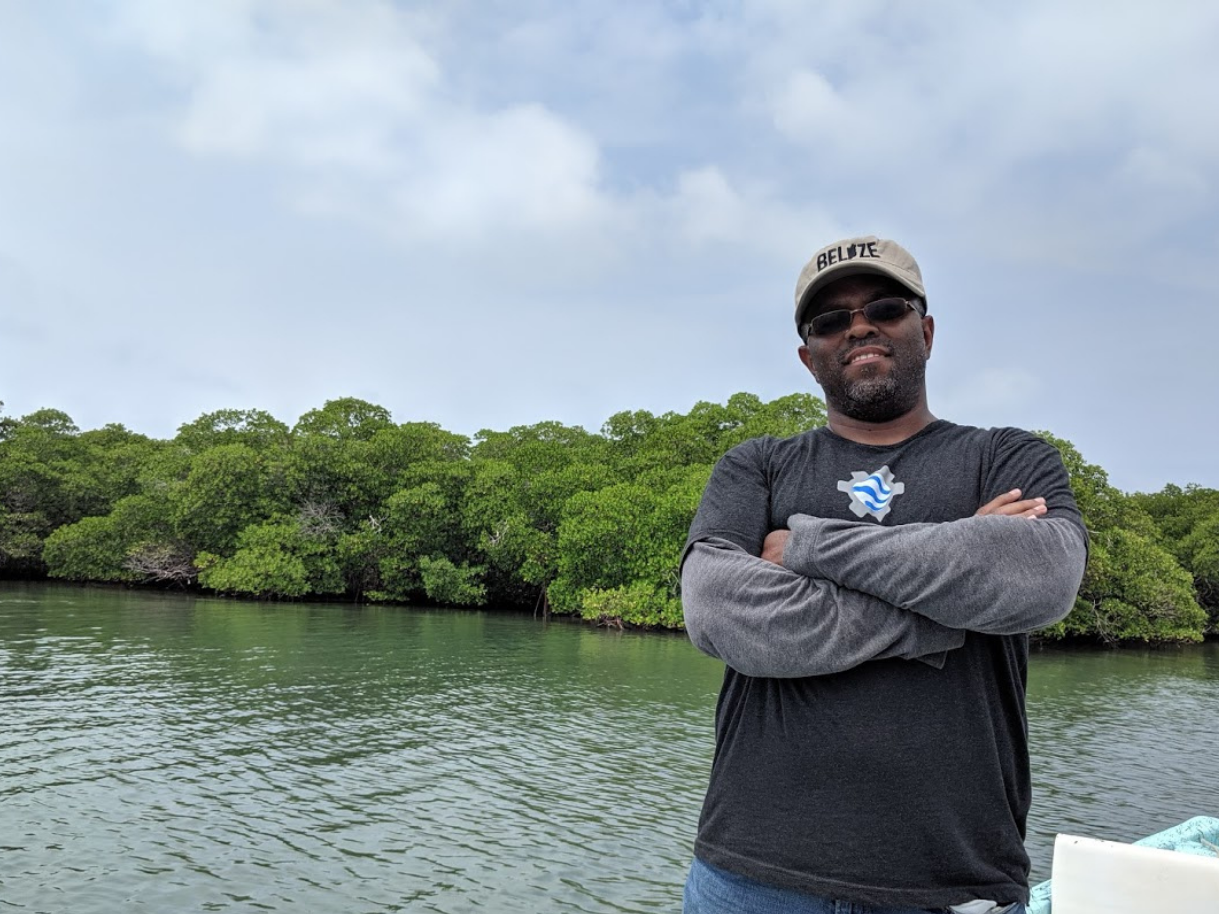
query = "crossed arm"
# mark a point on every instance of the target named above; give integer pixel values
(815, 602)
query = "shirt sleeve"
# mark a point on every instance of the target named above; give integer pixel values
(996, 575)
(992, 574)
(736, 502)
(765, 620)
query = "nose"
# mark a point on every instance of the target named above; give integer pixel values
(860, 326)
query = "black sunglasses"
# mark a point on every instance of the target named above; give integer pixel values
(881, 311)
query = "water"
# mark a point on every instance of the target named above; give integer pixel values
(168, 753)
(1124, 743)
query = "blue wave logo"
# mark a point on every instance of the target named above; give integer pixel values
(872, 493)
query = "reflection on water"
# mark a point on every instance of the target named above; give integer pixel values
(177, 754)
(1124, 742)
(169, 753)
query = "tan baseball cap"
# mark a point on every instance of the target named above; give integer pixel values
(853, 256)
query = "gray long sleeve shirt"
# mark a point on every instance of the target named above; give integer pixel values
(841, 767)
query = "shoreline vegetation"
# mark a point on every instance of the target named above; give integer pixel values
(348, 505)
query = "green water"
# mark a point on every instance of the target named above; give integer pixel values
(165, 753)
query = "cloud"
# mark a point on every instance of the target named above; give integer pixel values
(347, 100)
(361, 112)
(808, 109)
(337, 107)
(520, 166)
(709, 211)
(953, 107)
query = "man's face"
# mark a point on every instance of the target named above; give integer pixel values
(869, 372)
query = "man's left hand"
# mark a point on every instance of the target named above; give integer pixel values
(1012, 504)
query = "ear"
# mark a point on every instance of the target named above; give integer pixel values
(928, 333)
(807, 358)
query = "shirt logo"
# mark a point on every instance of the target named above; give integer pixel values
(872, 493)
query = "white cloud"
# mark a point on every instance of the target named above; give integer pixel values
(808, 109)
(311, 83)
(708, 209)
(708, 206)
(347, 99)
(355, 106)
(951, 108)
(521, 167)
(338, 108)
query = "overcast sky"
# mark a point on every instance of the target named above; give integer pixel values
(486, 214)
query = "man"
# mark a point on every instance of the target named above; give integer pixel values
(870, 586)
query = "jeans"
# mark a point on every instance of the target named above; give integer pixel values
(711, 890)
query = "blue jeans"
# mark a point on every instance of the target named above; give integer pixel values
(711, 890)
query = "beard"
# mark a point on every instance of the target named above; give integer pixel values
(881, 397)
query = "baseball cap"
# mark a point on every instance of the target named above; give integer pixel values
(850, 257)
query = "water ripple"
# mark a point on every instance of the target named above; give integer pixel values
(230, 757)
(179, 754)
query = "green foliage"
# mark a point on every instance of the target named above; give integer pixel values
(1134, 589)
(229, 487)
(619, 550)
(274, 559)
(348, 503)
(413, 510)
(21, 542)
(511, 509)
(39, 463)
(52, 475)
(346, 418)
(1177, 511)
(1188, 523)
(1199, 551)
(132, 543)
(638, 604)
(639, 441)
(336, 460)
(88, 550)
(546, 445)
(416, 452)
(110, 464)
(7, 425)
(444, 582)
(254, 428)
(52, 422)
(355, 474)
(416, 524)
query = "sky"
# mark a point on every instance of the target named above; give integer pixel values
(488, 214)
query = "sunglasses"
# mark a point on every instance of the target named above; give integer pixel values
(881, 311)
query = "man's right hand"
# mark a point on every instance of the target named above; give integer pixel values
(773, 546)
(1010, 504)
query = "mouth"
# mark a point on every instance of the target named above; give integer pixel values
(865, 354)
